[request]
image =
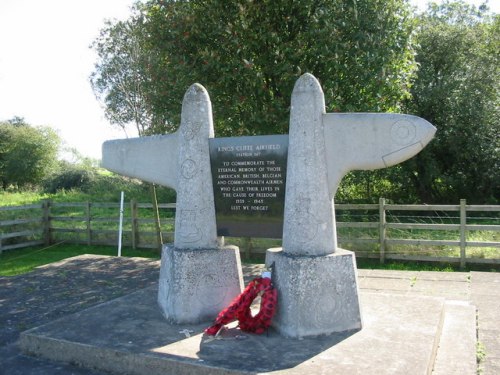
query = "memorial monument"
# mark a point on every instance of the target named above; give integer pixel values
(199, 276)
(316, 280)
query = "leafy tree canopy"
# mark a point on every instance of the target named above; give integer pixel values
(27, 153)
(457, 90)
(248, 54)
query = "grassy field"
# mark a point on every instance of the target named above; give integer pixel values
(20, 261)
(105, 218)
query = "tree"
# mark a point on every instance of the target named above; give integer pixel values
(457, 90)
(248, 54)
(27, 154)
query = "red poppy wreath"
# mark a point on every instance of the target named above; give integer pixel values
(239, 309)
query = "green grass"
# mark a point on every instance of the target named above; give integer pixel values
(106, 218)
(16, 262)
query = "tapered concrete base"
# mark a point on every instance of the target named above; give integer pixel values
(318, 295)
(195, 285)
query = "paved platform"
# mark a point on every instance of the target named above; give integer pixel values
(130, 336)
(457, 293)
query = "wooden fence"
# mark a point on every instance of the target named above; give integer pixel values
(445, 233)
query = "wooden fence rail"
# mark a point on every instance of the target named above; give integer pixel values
(373, 230)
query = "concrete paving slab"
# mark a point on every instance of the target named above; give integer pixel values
(488, 277)
(492, 367)
(130, 336)
(388, 274)
(443, 276)
(388, 285)
(452, 290)
(420, 275)
(490, 339)
(457, 346)
(488, 316)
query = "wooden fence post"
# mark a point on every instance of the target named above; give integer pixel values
(135, 226)
(463, 234)
(89, 222)
(247, 247)
(382, 229)
(47, 238)
(159, 239)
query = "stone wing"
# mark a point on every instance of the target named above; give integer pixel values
(152, 159)
(367, 141)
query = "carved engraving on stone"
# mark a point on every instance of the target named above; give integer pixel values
(403, 132)
(218, 296)
(189, 129)
(325, 309)
(189, 169)
(188, 230)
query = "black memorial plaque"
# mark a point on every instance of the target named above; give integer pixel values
(248, 175)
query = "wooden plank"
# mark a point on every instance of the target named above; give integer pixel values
(135, 228)
(21, 245)
(166, 205)
(106, 219)
(401, 241)
(149, 221)
(68, 218)
(68, 204)
(18, 208)
(106, 205)
(482, 244)
(356, 207)
(382, 229)
(68, 230)
(160, 205)
(486, 227)
(483, 208)
(20, 234)
(357, 224)
(108, 231)
(95, 242)
(4, 223)
(88, 222)
(421, 207)
(423, 226)
(463, 234)
(422, 258)
(358, 240)
(46, 222)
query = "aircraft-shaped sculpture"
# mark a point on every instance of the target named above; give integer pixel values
(323, 148)
(180, 161)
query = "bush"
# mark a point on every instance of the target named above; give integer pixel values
(71, 177)
(108, 187)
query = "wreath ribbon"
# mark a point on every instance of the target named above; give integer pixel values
(239, 308)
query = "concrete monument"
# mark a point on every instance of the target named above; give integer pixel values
(316, 280)
(199, 275)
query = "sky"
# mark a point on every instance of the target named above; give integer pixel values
(45, 64)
